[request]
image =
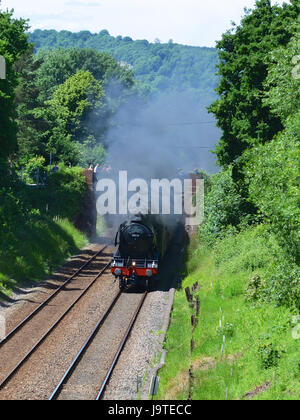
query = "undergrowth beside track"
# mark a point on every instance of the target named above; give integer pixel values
(36, 226)
(39, 249)
(244, 347)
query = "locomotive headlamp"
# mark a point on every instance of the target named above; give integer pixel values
(134, 264)
(149, 273)
(118, 272)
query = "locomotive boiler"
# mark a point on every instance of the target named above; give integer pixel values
(142, 244)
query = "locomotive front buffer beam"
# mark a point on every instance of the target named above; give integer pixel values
(134, 272)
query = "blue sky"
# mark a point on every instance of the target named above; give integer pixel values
(191, 22)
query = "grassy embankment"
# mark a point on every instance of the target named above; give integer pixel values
(260, 356)
(37, 232)
(42, 248)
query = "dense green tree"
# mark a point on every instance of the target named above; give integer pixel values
(60, 64)
(41, 75)
(273, 175)
(33, 126)
(272, 170)
(283, 81)
(258, 111)
(243, 116)
(69, 110)
(225, 208)
(91, 152)
(13, 43)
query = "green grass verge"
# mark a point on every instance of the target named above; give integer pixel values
(261, 358)
(38, 249)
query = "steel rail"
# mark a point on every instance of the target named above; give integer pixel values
(116, 358)
(79, 356)
(44, 303)
(35, 347)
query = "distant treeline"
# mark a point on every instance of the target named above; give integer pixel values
(158, 67)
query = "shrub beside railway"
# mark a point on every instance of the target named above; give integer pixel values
(37, 232)
(243, 345)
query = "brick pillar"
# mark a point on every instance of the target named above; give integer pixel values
(86, 221)
(194, 177)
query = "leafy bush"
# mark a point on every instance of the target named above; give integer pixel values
(252, 292)
(34, 167)
(91, 152)
(282, 84)
(32, 244)
(63, 194)
(282, 284)
(273, 177)
(272, 274)
(224, 208)
(226, 330)
(36, 247)
(269, 356)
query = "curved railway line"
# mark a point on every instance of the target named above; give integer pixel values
(26, 338)
(92, 368)
(46, 301)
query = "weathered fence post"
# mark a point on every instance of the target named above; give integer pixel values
(195, 305)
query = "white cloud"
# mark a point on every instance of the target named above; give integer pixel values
(193, 22)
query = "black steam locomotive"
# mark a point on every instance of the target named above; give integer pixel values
(136, 261)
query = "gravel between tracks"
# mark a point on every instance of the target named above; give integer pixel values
(39, 376)
(26, 298)
(131, 377)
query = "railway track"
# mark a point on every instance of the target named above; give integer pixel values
(120, 349)
(24, 340)
(46, 301)
(92, 368)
